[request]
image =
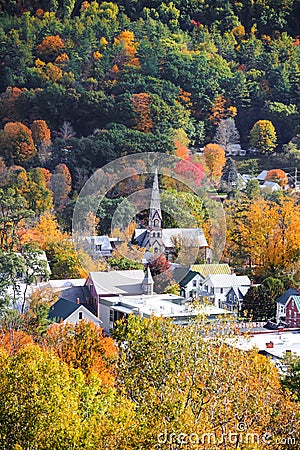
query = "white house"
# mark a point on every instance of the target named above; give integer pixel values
(218, 286)
(69, 312)
(271, 186)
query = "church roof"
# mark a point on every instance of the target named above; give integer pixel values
(194, 236)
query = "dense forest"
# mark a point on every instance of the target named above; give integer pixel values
(117, 78)
(82, 84)
(85, 83)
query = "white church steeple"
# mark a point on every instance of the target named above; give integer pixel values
(155, 218)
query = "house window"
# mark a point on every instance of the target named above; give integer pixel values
(221, 290)
(98, 248)
(111, 315)
(194, 283)
(80, 315)
(293, 304)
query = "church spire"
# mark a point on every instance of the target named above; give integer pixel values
(155, 211)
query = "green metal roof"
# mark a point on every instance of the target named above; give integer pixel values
(296, 299)
(211, 269)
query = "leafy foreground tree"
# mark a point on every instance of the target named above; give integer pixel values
(44, 405)
(186, 386)
(82, 346)
(291, 378)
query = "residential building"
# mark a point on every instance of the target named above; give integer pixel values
(219, 287)
(281, 304)
(112, 309)
(114, 283)
(205, 270)
(292, 314)
(99, 245)
(67, 311)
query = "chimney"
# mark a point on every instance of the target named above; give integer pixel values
(77, 301)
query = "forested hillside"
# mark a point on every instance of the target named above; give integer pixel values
(83, 83)
(137, 76)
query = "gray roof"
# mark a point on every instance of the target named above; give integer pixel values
(141, 236)
(62, 309)
(72, 293)
(236, 290)
(228, 280)
(118, 282)
(262, 176)
(183, 276)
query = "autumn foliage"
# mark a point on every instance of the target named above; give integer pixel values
(41, 133)
(278, 176)
(141, 104)
(189, 170)
(16, 142)
(14, 341)
(82, 345)
(50, 48)
(267, 233)
(214, 156)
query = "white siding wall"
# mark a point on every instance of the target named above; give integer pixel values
(87, 315)
(104, 317)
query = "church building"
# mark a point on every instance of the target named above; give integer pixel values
(157, 239)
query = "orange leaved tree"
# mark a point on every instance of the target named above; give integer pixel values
(50, 48)
(278, 176)
(215, 160)
(141, 105)
(83, 346)
(16, 143)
